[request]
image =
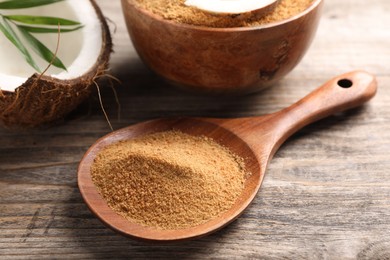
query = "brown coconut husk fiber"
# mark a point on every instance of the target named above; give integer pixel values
(42, 99)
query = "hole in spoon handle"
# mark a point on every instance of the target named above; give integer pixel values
(338, 94)
(345, 83)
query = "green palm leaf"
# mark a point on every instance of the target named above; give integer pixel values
(48, 30)
(14, 39)
(42, 50)
(20, 4)
(45, 20)
(28, 25)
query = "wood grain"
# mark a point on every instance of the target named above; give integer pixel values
(325, 195)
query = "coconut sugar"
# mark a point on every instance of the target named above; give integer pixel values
(177, 11)
(169, 180)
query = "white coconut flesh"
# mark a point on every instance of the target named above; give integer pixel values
(230, 6)
(78, 50)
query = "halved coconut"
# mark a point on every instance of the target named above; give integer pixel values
(29, 99)
(229, 7)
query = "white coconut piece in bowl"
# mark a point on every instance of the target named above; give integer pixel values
(229, 7)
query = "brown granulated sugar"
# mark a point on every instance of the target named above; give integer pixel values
(177, 11)
(169, 180)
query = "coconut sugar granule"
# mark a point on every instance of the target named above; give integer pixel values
(169, 180)
(177, 11)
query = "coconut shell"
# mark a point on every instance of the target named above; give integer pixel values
(43, 99)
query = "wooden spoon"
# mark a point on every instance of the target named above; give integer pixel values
(256, 139)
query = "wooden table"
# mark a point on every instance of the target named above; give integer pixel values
(326, 194)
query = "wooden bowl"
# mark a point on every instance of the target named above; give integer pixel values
(221, 60)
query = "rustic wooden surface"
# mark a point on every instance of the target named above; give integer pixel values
(326, 194)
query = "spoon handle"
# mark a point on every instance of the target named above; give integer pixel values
(338, 94)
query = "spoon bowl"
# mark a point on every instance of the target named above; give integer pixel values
(255, 139)
(190, 126)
